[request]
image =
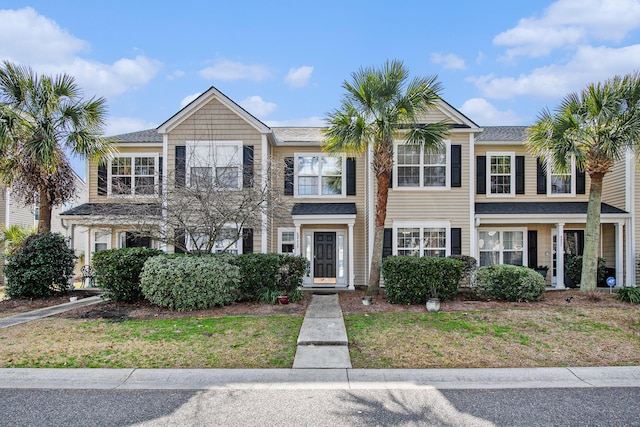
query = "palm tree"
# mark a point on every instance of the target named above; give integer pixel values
(40, 118)
(380, 105)
(596, 126)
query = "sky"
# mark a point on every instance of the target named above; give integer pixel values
(500, 62)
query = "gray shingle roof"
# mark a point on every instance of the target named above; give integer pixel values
(538, 208)
(502, 133)
(109, 209)
(324, 209)
(149, 135)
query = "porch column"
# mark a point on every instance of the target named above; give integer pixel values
(352, 273)
(619, 252)
(297, 242)
(560, 256)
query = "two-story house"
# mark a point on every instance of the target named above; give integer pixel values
(481, 195)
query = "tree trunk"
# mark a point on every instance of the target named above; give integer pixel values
(588, 281)
(44, 215)
(378, 234)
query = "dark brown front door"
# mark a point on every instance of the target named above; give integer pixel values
(324, 251)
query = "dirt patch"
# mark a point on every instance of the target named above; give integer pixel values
(9, 307)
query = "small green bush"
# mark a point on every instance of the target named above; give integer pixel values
(469, 265)
(629, 294)
(573, 270)
(117, 272)
(412, 280)
(510, 282)
(190, 282)
(270, 274)
(292, 272)
(40, 267)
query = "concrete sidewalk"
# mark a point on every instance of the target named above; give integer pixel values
(316, 379)
(40, 313)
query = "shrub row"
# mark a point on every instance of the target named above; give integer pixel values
(412, 280)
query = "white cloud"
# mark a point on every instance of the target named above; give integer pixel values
(485, 114)
(449, 61)
(313, 121)
(187, 99)
(480, 58)
(589, 64)
(175, 75)
(120, 125)
(567, 23)
(299, 77)
(29, 38)
(258, 106)
(229, 70)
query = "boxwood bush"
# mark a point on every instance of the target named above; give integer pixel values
(117, 272)
(510, 282)
(469, 265)
(190, 282)
(412, 280)
(270, 274)
(40, 267)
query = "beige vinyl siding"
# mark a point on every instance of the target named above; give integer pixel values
(215, 122)
(434, 115)
(614, 187)
(530, 179)
(450, 205)
(359, 229)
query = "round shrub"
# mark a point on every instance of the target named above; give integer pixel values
(117, 272)
(190, 282)
(412, 280)
(40, 267)
(259, 273)
(510, 282)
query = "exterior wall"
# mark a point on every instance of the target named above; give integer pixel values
(614, 185)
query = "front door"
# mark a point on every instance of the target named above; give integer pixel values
(573, 245)
(324, 257)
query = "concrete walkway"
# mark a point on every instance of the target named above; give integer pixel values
(322, 343)
(5, 322)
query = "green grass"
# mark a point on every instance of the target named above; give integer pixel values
(495, 338)
(226, 342)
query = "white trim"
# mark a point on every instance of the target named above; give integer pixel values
(630, 194)
(510, 154)
(133, 156)
(483, 219)
(323, 219)
(421, 166)
(421, 225)
(320, 155)
(341, 282)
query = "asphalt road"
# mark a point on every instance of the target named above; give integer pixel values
(410, 407)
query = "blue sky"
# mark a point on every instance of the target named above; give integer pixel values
(500, 61)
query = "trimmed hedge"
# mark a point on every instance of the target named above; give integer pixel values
(412, 280)
(510, 282)
(117, 272)
(190, 282)
(469, 265)
(40, 267)
(271, 274)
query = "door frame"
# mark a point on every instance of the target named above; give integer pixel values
(553, 266)
(342, 273)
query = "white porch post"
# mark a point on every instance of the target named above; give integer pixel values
(560, 256)
(298, 241)
(352, 273)
(619, 252)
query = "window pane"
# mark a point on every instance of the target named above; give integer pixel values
(513, 240)
(121, 185)
(500, 185)
(288, 236)
(489, 258)
(435, 157)
(408, 241)
(331, 185)
(408, 155)
(500, 165)
(560, 184)
(308, 165)
(145, 185)
(331, 166)
(226, 155)
(144, 166)
(408, 176)
(201, 177)
(227, 176)
(307, 185)
(121, 166)
(513, 258)
(435, 176)
(287, 248)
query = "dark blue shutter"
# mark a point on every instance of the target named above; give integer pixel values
(456, 165)
(481, 175)
(247, 166)
(519, 174)
(532, 245)
(456, 241)
(181, 165)
(541, 177)
(247, 240)
(160, 173)
(288, 176)
(387, 243)
(351, 176)
(102, 180)
(580, 182)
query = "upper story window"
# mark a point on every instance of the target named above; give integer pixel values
(501, 174)
(417, 167)
(426, 239)
(134, 175)
(217, 163)
(562, 183)
(319, 175)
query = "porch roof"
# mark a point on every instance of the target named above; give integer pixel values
(541, 208)
(114, 209)
(324, 209)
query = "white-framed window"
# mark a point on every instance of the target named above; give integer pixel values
(319, 175)
(562, 184)
(217, 163)
(421, 238)
(134, 175)
(417, 167)
(501, 174)
(227, 240)
(498, 246)
(101, 240)
(286, 240)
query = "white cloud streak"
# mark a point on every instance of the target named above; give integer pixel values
(485, 114)
(299, 77)
(449, 61)
(227, 70)
(258, 106)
